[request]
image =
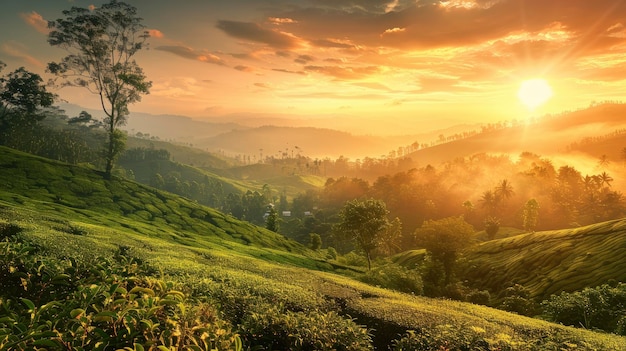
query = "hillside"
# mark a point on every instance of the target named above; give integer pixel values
(552, 261)
(547, 262)
(108, 249)
(184, 154)
(549, 135)
(44, 185)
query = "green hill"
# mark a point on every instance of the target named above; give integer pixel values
(551, 261)
(129, 266)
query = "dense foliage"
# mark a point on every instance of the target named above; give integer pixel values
(602, 307)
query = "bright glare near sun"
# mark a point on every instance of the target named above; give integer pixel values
(534, 93)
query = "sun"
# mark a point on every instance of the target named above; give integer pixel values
(534, 93)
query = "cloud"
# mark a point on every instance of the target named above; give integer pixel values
(155, 33)
(253, 32)
(282, 70)
(278, 21)
(335, 43)
(393, 30)
(262, 85)
(341, 72)
(368, 6)
(36, 21)
(243, 68)
(192, 54)
(18, 50)
(304, 59)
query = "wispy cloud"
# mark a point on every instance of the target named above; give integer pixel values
(36, 21)
(19, 51)
(341, 72)
(253, 32)
(192, 54)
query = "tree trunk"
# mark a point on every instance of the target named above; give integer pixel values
(110, 152)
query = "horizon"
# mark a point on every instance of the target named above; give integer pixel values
(390, 67)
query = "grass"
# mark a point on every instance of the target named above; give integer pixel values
(244, 270)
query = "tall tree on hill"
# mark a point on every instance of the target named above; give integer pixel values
(101, 45)
(366, 223)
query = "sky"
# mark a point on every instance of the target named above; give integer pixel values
(399, 65)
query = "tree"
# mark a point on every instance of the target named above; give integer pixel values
(366, 223)
(101, 44)
(22, 97)
(490, 200)
(444, 239)
(271, 221)
(492, 226)
(504, 190)
(531, 214)
(315, 241)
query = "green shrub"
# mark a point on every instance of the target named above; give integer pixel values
(395, 277)
(602, 307)
(447, 337)
(273, 329)
(517, 299)
(108, 306)
(8, 230)
(479, 297)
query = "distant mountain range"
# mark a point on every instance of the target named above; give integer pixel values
(247, 137)
(583, 131)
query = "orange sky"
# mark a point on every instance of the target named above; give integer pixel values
(416, 63)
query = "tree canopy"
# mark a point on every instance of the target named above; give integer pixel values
(23, 96)
(101, 45)
(366, 223)
(444, 239)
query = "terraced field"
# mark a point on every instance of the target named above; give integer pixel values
(552, 261)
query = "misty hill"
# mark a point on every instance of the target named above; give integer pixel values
(312, 142)
(167, 127)
(549, 135)
(68, 227)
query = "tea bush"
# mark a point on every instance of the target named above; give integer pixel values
(395, 277)
(602, 307)
(274, 329)
(109, 306)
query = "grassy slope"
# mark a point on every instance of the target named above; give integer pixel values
(76, 192)
(37, 195)
(184, 154)
(552, 261)
(279, 178)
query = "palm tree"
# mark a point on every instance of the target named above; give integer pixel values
(605, 179)
(490, 201)
(603, 162)
(504, 190)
